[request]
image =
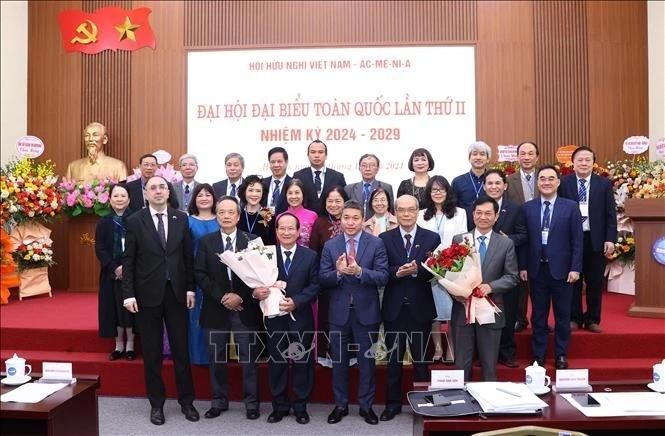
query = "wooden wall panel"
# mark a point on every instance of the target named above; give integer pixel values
(106, 89)
(504, 73)
(158, 86)
(618, 89)
(307, 23)
(54, 106)
(560, 57)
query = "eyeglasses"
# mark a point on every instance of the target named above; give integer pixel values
(406, 210)
(368, 166)
(438, 191)
(379, 201)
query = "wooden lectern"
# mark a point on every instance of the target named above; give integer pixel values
(648, 217)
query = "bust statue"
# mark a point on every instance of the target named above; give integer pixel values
(96, 164)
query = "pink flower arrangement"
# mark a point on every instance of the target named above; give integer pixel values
(91, 198)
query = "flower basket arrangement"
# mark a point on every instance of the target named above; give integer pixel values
(28, 191)
(8, 277)
(86, 198)
(36, 253)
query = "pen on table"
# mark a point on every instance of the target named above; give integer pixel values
(506, 391)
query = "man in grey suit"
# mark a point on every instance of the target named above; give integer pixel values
(522, 187)
(360, 191)
(499, 269)
(189, 166)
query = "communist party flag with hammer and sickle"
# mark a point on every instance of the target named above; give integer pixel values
(109, 28)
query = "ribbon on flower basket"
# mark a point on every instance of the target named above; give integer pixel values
(256, 266)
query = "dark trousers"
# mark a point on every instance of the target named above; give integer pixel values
(508, 347)
(365, 336)
(322, 343)
(398, 333)
(546, 289)
(285, 343)
(484, 340)
(248, 350)
(150, 322)
(522, 302)
(593, 271)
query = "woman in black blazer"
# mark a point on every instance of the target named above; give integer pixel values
(114, 320)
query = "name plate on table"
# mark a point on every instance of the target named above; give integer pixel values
(447, 379)
(572, 380)
(57, 372)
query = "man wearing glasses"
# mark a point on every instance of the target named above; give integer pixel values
(361, 191)
(138, 197)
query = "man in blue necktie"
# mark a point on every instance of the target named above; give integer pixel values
(290, 336)
(595, 198)
(551, 261)
(499, 268)
(369, 165)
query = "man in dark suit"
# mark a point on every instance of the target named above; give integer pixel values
(595, 197)
(522, 187)
(228, 305)
(499, 268)
(551, 262)
(361, 191)
(183, 190)
(274, 194)
(509, 222)
(353, 266)
(158, 285)
(234, 165)
(136, 188)
(408, 306)
(318, 178)
(290, 336)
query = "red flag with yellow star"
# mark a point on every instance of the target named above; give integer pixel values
(110, 28)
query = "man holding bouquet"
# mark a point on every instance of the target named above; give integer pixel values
(498, 263)
(290, 336)
(228, 306)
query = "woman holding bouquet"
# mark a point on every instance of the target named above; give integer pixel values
(443, 217)
(255, 219)
(114, 320)
(295, 197)
(202, 221)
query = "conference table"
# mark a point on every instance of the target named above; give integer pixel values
(70, 411)
(560, 414)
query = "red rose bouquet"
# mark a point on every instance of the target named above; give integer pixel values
(457, 270)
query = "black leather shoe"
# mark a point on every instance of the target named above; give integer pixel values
(561, 362)
(302, 417)
(130, 355)
(157, 416)
(389, 414)
(337, 414)
(277, 415)
(191, 414)
(116, 354)
(214, 412)
(510, 363)
(370, 416)
(253, 414)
